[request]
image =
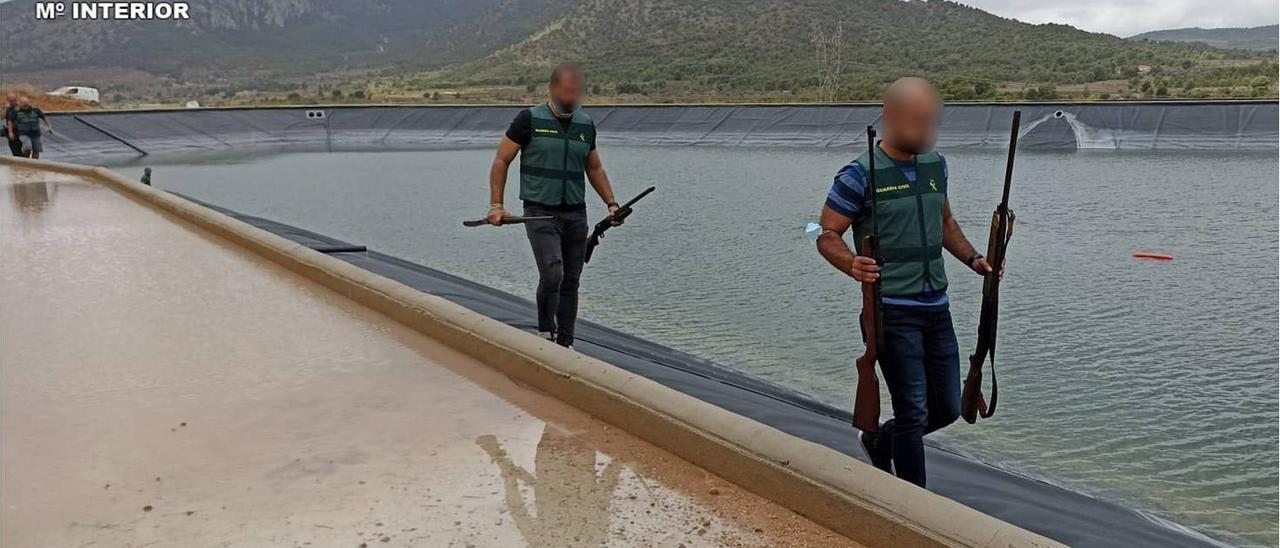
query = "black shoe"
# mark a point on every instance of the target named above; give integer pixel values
(881, 456)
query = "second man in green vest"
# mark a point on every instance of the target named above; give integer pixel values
(556, 142)
(919, 359)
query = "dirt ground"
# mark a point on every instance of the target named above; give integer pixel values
(45, 102)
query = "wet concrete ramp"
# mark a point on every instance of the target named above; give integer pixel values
(163, 386)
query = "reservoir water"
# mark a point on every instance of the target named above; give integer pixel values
(1149, 383)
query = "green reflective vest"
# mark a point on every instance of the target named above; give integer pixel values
(554, 163)
(27, 120)
(910, 220)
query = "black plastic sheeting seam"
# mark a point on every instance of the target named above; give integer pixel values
(1055, 512)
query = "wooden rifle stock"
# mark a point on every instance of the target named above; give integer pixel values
(972, 403)
(866, 400)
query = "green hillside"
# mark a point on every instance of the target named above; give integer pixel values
(1258, 38)
(307, 51)
(276, 34)
(261, 47)
(764, 50)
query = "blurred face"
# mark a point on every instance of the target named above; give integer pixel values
(13, 99)
(566, 92)
(24, 102)
(911, 123)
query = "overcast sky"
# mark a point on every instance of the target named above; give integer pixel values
(1129, 17)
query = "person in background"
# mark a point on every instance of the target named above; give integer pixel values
(10, 105)
(24, 125)
(920, 359)
(556, 142)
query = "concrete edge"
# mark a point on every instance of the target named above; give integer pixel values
(832, 489)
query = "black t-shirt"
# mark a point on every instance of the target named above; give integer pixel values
(521, 128)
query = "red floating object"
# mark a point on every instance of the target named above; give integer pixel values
(1156, 256)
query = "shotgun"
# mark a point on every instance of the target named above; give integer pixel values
(972, 404)
(511, 220)
(866, 400)
(622, 213)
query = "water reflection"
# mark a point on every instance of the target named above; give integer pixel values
(32, 196)
(570, 505)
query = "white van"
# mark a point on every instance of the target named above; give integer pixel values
(76, 92)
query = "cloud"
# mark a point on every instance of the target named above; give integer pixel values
(1129, 17)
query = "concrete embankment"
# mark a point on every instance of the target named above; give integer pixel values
(826, 487)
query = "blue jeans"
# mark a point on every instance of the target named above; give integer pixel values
(31, 143)
(921, 365)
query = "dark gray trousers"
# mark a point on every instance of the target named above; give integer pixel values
(558, 249)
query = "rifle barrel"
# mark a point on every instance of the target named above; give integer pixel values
(1008, 168)
(637, 198)
(511, 220)
(871, 177)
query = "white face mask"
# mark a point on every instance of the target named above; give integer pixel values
(812, 231)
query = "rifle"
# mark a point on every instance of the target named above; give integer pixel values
(623, 212)
(866, 400)
(511, 220)
(972, 404)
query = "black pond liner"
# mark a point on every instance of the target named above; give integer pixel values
(121, 135)
(1055, 512)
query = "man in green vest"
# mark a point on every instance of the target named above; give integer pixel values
(11, 105)
(24, 126)
(556, 142)
(920, 360)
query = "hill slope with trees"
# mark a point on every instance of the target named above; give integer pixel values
(769, 48)
(1257, 38)
(291, 51)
